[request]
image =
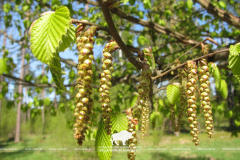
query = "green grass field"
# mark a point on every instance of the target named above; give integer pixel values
(153, 146)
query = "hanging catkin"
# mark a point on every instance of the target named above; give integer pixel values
(105, 85)
(84, 102)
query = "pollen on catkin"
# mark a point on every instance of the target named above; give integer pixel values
(191, 99)
(105, 84)
(84, 102)
(204, 90)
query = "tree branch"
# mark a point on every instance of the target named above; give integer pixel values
(181, 65)
(118, 39)
(29, 83)
(154, 26)
(219, 13)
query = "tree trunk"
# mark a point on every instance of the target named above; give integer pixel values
(20, 89)
(43, 96)
(1, 79)
(27, 114)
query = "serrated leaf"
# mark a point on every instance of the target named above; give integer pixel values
(216, 75)
(119, 122)
(3, 66)
(55, 69)
(67, 39)
(47, 33)
(103, 144)
(133, 100)
(234, 59)
(223, 89)
(235, 49)
(173, 93)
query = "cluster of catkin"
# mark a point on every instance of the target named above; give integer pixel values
(105, 85)
(84, 102)
(143, 100)
(204, 90)
(132, 129)
(183, 98)
(192, 78)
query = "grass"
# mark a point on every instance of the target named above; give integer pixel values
(153, 146)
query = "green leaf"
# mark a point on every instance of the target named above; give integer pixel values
(47, 101)
(216, 75)
(3, 66)
(235, 49)
(132, 2)
(133, 100)
(173, 93)
(234, 59)
(47, 33)
(103, 144)
(189, 4)
(55, 69)
(119, 122)
(28, 77)
(223, 89)
(67, 39)
(6, 7)
(147, 4)
(222, 4)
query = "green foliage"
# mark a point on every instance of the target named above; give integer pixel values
(3, 65)
(234, 59)
(173, 93)
(6, 7)
(142, 40)
(222, 4)
(67, 39)
(56, 74)
(133, 100)
(189, 4)
(223, 89)
(103, 145)
(216, 74)
(119, 122)
(50, 34)
(47, 33)
(147, 4)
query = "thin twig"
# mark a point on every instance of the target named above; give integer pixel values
(99, 27)
(118, 39)
(181, 65)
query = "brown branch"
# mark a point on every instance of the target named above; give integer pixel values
(118, 39)
(39, 85)
(181, 65)
(219, 13)
(154, 26)
(69, 62)
(99, 27)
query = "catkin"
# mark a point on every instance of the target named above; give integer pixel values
(105, 85)
(84, 102)
(191, 99)
(132, 129)
(204, 90)
(183, 98)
